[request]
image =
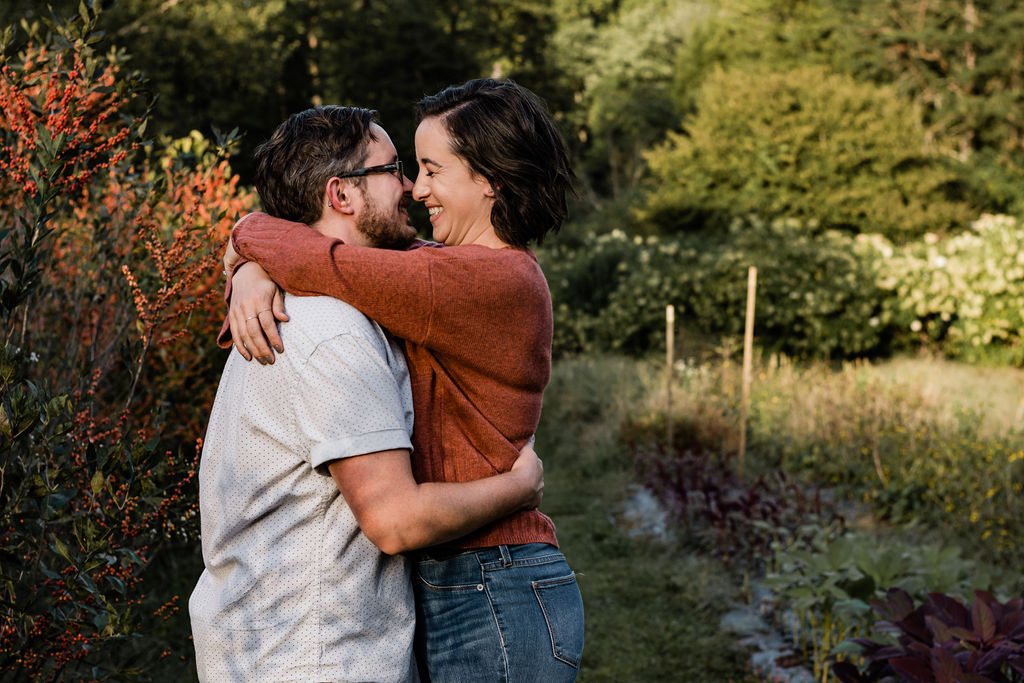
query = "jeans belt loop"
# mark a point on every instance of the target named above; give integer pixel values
(506, 556)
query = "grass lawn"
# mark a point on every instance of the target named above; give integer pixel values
(652, 607)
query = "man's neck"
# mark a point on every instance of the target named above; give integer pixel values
(339, 228)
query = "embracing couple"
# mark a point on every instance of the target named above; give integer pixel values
(368, 494)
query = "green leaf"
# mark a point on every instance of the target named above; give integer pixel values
(117, 583)
(83, 12)
(852, 608)
(97, 482)
(848, 647)
(62, 550)
(94, 562)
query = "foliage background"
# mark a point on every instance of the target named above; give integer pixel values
(866, 155)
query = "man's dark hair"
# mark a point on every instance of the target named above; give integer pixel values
(293, 166)
(506, 135)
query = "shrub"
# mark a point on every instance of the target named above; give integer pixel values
(807, 144)
(582, 279)
(106, 262)
(816, 295)
(963, 294)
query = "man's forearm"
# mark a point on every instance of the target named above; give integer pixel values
(442, 512)
(399, 515)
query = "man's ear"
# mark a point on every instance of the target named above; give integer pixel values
(339, 196)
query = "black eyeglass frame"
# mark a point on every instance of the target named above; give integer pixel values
(385, 168)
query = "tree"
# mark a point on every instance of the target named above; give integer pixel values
(958, 60)
(961, 60)
(620, 66)
(805, 144)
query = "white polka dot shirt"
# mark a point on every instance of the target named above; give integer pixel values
(292, 589)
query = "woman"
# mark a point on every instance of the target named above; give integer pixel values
(499, 604)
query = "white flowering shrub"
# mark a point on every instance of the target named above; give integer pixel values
(964, 293)
(825, 296)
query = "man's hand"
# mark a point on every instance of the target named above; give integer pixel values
(256, 306)
(531, 470)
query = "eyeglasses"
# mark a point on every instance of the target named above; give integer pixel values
(395, 168)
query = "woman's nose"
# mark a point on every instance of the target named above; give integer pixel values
(419, 190)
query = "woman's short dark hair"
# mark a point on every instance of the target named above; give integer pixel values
(505, 134)
(294, 165)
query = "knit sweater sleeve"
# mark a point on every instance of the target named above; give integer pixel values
(446, 299)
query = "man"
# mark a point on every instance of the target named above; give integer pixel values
(305, 476)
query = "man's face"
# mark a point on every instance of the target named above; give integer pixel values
(383, 217)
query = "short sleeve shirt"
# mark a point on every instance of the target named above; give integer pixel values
(292, 589)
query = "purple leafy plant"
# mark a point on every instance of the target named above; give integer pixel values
(943, 641)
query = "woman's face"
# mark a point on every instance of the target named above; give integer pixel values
(459, 201)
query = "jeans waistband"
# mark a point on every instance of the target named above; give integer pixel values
(505, 554)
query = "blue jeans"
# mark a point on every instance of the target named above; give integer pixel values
(502, 615)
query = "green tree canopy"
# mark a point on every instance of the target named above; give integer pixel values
(806, 144)
(620, 66)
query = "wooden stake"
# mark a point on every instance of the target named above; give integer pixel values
(748, 362)
(670, 326)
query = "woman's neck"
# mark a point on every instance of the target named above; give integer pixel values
(485, 237)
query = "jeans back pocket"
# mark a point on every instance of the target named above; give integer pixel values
(562, 604)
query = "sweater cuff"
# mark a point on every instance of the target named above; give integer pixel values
(259, 233)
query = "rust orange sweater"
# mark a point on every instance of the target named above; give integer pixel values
(477, 328)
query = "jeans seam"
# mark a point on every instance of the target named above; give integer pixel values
(497, 624)
(447, 589)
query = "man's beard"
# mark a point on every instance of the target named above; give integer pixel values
(382, 229)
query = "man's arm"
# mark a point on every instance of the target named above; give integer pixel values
(399, 515)
(354, 415)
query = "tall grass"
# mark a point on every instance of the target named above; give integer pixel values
(919, 441)
(922, 457)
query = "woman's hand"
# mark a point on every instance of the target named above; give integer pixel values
(230, 258)
(529, 466)
(256, 306)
